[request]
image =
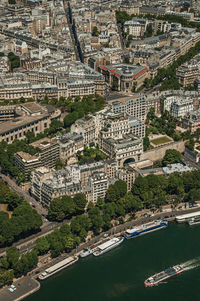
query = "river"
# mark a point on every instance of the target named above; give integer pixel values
(119, 274)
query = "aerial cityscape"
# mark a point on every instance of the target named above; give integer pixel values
(99, 145)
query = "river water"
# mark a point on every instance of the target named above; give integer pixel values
(119, 274)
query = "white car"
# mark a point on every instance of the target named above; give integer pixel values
(11, 289)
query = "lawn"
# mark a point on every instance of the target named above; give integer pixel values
(160, 140)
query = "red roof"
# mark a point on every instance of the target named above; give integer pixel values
(142, 71)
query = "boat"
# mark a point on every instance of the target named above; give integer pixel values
(187, 217)
(108, 245)
(164, 275)
(194, 221)
(86, 252)
(58, 267)
(145, 228)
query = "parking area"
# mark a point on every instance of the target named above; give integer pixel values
(24, 287)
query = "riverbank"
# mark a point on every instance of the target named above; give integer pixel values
(170, 215)
(119, 275)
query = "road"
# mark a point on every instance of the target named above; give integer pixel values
(14, 187)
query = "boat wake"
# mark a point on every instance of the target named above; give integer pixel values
(191, 264)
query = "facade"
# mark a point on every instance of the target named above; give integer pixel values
(136, 27)
(98, 183)
(181, 108)
(34, 118)
(191, 121)
(49, 151)
(187, 74)
(127, 175)
(48, 154)
(26, 163)
(70, 144)
(126, 77)
(133, 106)
(128, 147)
(7, 113)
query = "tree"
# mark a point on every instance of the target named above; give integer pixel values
(194, 195)
(146, 143)
(59, 164)
(80, 202)
(95, 32)
(12, 256)
(171, 156)
(42, 245)
(116, 191)
(190, 144)
(6, 276)
(149, 31)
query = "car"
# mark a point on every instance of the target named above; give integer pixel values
(195, 205)
(13, 286)
(11, 289)
(151, 215)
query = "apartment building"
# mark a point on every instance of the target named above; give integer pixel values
(92, 179)
(134, 106)
(67, 88)
(188, 73)
(181, 108)
(127, 175)
(116, 125)
(47, 155)
(191, 121)
(98, 185)
(136, 27)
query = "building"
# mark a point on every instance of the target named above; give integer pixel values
(188, 73)
(47, 184)
(127, 175)
(49, 151)
(34, 118)
(47, 155)
(181, 108)
(136, 27)
(26, 163)
(191, 121)
(125, 77)
(128, 148)
(7, 113)
(118, 124)
(134, 106)
(70, 144)
(98, 184)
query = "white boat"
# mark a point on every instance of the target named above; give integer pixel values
(187, 217)
(108, 245)
(194, 221)
(58, 267)
(86, 252)
(145, 228)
